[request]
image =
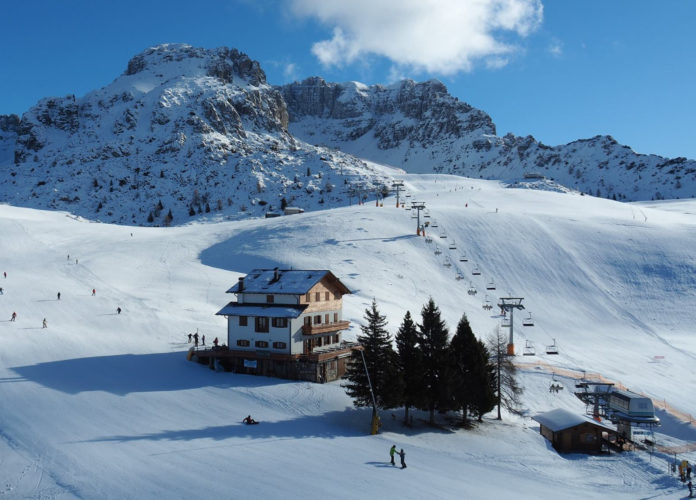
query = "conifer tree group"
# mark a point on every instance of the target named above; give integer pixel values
(427, 371)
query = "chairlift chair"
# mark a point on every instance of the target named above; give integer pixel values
(490, 285)
(552, 349)
(505, 322)
(428, 239)
(447, 263)
(443, 234)
(426, 214)
(462, 258)
(434, 223)
(476, 271)
(528, 348)
(471, 290)
(528, 321)
(460, 276)
(438, 251)
(453, 246)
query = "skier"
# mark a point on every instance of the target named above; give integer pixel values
(1, 291)
(215, 342)
(75, 261)
(691, 489)
(4, 274)
(392, 450)
(248, 420)
(68, 256)
(58, 295)
(14, 316)
(195, 339)
(402, 454)
(190, 335)
(44, 325)
(94, 292)
(203, 340)
(118, 310)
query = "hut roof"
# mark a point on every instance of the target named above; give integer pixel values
(561, 419)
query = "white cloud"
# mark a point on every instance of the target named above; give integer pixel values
(440, 36)
(290, 72)
(556, 48)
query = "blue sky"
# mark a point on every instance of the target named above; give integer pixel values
(556, 69)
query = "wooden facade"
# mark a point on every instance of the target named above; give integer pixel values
(570, 433)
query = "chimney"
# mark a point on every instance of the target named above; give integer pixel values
(276, 274)
(241, 284)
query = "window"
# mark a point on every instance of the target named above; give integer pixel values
(336, 339)
(242, 321)
(317, 319)
(269, 299)
(261, 343)
(308, 297)
(279, 345)
(279, 322)
(335, 317)
(326, 318)
(308, 321)
(243, 343)
(317, 296)
(337, 296)
(326, 295)
(261, 325)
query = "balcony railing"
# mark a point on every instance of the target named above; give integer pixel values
(325, 327)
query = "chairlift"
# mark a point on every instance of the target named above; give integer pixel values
(460, 276)
(438, 251)
(472, 289)
(447, 263)
(552, 349)
(529, 348)
(443, 234)
(428, 239)
(426, 214)
(476, 271)
(486, 306)
(434, 223)
(505, 322)
(528, 321)
(453, 246)
(490, 285)
(462, 258)
(408, 195)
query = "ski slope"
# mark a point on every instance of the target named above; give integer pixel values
(102, 405)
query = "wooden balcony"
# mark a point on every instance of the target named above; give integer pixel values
(324, 328)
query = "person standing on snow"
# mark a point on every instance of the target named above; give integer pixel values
(190, 335)
(94, 292)
(44, 325)
(118, 310)
(402, 454)
(392, 450)
(203, 340)
(195, 339)
(14, 316)
(58, 295)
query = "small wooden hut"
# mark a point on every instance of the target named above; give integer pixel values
(574, 433)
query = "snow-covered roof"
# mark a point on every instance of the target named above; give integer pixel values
(560, 419)
(285, 281)
(269, 311)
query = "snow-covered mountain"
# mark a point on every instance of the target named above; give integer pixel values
(421, 128)
(197, 130)
(187, 132)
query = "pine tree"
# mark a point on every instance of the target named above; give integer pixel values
(381, 363)
(463, 353)
(410, 363)
(432, 338)
(483, 374)
(507, 389)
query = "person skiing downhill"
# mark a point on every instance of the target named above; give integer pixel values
(392, 450)
(44, 325)
(14, 316)
(402, 454)
(94, 292)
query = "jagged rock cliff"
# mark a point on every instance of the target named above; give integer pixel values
(198, 130)
(421, 128)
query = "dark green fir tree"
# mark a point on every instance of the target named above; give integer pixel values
(410, 363)
(433, 342)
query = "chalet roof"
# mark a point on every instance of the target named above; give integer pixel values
(289, 281)
(560, 419)
(263, 310)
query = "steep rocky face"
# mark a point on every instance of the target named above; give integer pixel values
(421, 128)
(199, 130)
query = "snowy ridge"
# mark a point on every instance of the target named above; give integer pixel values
(198, 130)
(421, 128)
(102, 405)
